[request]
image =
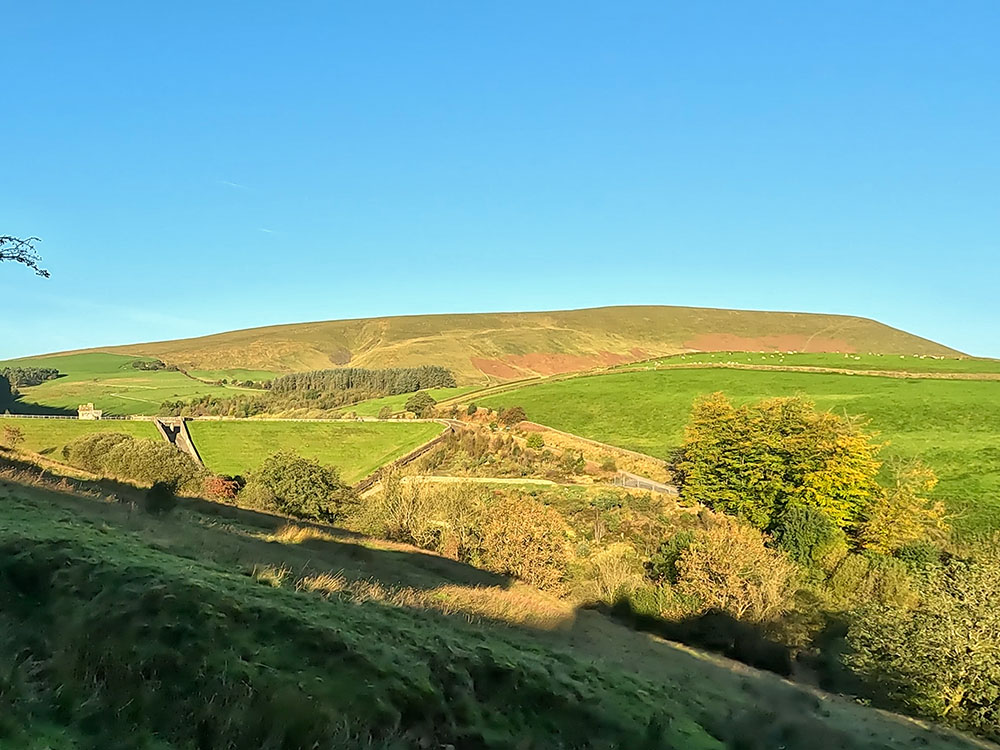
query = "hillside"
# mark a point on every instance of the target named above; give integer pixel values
(225, 628)
(507, 346)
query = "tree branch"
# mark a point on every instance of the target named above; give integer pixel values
(22, 251)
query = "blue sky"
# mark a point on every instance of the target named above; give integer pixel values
(199, 167)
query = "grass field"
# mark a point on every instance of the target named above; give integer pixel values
(215, 627)
(954, 425)
(48, 436)
(888, 362)
(373, 406)
(110, 382)
(356, 448)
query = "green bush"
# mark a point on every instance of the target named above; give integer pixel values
(662, 564)
(421, 404)
(806, 534)
(301, 487)
(471, 409)
(121, 456)
(938, 657)
(535, 441)
(385, 412)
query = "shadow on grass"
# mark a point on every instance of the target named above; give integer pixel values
(19, 406)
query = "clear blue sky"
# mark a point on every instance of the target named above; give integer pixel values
(199, 167)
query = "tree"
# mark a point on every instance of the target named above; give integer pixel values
(751, 461)
(901, 515)
(5, 393)
(385, 412)
(12, 436)
(22, 251)
(420, 404)
(728, 567)
(300, 487)
(512, 415)
(940, 658)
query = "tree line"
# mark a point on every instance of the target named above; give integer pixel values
(24, 377)
(384, 382)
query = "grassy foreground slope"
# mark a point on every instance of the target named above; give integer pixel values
(954, 425)
(219, 628)
(505, 346)
(110, 382)
(356, 448)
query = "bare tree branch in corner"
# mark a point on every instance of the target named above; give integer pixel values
(22, 251)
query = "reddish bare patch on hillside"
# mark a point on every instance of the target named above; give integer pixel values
(792, 342)
(496, 368)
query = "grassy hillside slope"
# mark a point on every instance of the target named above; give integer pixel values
(110, 382)
(954, 425)
(503, 346)
(356, 448)
(221, 628)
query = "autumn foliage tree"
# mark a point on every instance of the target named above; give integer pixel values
(901, 513)
(753, 460)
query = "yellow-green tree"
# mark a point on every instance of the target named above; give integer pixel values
(753, 460)
(901, 513)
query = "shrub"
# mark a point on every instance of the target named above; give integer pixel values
(114, 454)
(300, 487)
(614, 572)
(806, 534)
(12, 436)
(662, 564)
(159, 499)
(870, 578)
(608, 464)
(900, 515)
(535, 441)
(471, 409)
(385, 412)
(221, 488)
(730, 569)
(523, 538)
(512, 415)
(573, 462)
(941, 657)
(88, 452)
(420, 404)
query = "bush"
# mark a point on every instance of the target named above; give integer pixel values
(222, 488)
(300, 487)
(940, 657)
(535, 441)
(12, 436)
(512, 415)
(730, 569)
(573, 462)
(420, 404)
(608, 464)
(662, 564)
(385, 412)
(121, 456)
(523, 538)
(806, 534)
(159, 499)
(471, 409)
(614, 572)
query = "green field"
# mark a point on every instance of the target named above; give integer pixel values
(211, 641)
(889, 362)
(954, 425)
(373, 406)
(356, 448)
(233, 374)
(48, 436)
(110, 382)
